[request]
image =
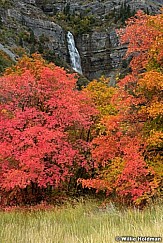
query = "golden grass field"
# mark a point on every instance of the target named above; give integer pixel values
(84, 223)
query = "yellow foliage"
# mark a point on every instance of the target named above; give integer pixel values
(155, 139)
(101, 94)
(35, 64)
(155, 109)
(151, 80)
(114, 169)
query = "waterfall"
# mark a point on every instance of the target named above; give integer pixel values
(74, 54)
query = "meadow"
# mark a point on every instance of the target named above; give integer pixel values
(84, 222)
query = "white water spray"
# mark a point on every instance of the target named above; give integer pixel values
(74, 54)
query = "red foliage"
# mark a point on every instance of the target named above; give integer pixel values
(36, 114)
(136, 179)
(140, 36)
(119, 153)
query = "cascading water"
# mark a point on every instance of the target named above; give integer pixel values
(74, 54)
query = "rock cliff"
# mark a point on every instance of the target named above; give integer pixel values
(42, 25)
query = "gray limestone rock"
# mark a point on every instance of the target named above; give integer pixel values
(100, 51)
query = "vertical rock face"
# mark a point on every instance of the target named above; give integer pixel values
(100, 7)
(95, 53)
(117, 50)
(8, 52)
(100, 53)
(99, 47)
(56, 35)
(30, 1)
(24, 17)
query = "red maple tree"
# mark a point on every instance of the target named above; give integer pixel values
(38, 109)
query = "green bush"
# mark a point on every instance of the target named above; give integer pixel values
(5, 3)
(5, 61)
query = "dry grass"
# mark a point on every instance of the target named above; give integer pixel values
(84, 223)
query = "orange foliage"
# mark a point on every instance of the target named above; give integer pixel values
(128, 156)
